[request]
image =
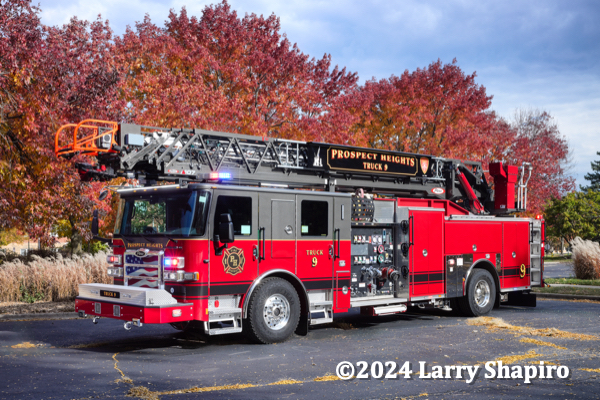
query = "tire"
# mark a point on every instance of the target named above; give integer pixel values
(481, 294)
(273, 311)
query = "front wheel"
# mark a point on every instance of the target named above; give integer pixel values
(481, 294)
(273, 312)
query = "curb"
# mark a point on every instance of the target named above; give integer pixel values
(38, 316)
(559, 296)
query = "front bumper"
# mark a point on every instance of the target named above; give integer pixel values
(146, 305)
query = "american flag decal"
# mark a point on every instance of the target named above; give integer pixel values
(131, 259)
(142, 271)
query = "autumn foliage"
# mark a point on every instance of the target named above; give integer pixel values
(224, 72)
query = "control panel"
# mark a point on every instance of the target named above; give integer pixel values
(372, 258)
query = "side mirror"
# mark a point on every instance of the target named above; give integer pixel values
(103, 195)
(226, 229)
(95, 229)
(225, 234)
(95, 223)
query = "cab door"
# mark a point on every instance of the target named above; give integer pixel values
(314, 219)
(235, 268)
(277, 232)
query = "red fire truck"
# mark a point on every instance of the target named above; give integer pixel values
(270, 236)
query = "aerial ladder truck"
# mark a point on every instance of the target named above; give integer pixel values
(228, 232)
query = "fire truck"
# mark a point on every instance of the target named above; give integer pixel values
(228, 232)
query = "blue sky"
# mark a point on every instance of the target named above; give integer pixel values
(529, 53)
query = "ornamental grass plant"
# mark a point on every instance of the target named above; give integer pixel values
(50, 279)
(586, 258)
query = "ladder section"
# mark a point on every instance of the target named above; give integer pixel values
(535, 246)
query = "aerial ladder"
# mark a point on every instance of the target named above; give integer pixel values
(153, 154)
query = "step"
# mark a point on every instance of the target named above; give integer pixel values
(322, 304)
(225, 310)
(389, 309)
(317, 321)
(224, 331)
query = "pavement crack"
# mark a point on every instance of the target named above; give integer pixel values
(123, 378)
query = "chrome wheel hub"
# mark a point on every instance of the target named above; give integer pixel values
(482, 293)
(276, 312)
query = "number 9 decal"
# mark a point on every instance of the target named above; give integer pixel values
(523, 270)
(314, 261)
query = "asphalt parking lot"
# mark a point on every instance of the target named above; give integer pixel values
(75, 359)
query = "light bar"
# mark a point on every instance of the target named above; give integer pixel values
(113, 259)
(174, 262)
(217, 176)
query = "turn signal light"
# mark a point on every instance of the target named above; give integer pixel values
(113, 259)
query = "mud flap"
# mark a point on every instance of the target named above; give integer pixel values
(521, 299)
(302, 328)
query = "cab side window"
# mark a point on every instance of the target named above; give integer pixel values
(240, 209)
(314, 218)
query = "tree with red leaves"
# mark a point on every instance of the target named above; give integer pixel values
(234, 74)
(48, 76)
(437, 110)
(441, 111)
(538, 141)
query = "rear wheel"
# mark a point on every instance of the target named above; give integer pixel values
(481, 294)
(273, 311)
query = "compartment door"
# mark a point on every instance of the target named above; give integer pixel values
(426, 253)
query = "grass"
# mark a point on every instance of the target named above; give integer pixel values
(573, 281)
(569, 290)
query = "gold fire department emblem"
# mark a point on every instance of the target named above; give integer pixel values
(233, 261)
(424, 164)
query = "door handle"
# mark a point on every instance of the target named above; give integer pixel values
(261, 232)
(411, 223)
(336, 254)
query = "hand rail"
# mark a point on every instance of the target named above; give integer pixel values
(87, 144)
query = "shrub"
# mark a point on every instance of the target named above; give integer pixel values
(50, 279)
(586, 259)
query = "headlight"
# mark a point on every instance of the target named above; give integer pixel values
(115, 271)
(179, 276)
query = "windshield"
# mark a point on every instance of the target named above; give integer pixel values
(181, 214)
